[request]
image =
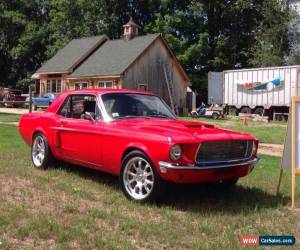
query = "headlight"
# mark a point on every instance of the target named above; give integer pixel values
(254, 148)
(175, 152)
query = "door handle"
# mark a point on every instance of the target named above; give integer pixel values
(63, 122)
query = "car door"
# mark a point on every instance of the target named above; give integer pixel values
(79, 138)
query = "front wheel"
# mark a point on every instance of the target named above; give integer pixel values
(139, 180)
(40, 152)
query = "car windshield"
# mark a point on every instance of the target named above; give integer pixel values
(130, 105)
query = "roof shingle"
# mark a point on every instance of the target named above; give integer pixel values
(113, 57)
(71, 54)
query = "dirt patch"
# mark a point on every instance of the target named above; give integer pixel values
(18, 111)
(10, 123)
(270, 149)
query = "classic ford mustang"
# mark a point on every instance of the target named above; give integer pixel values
(134, 135)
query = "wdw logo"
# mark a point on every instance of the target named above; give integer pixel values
(288, 240)
(249, 240)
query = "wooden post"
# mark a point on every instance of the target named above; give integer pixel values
(295, 167)
(30, 98)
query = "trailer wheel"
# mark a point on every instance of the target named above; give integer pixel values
(245, 110)
(259, 111)
(5, 102)
(215, 115)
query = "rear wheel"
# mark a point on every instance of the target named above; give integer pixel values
(259, 111)
(245, 110)
(138, 179)
(40, 152)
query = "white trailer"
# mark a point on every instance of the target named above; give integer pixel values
(261, 90)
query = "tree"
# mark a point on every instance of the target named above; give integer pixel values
(272, 45)
(22, 36)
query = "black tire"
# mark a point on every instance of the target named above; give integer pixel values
(215, 116)
(194, 115)
(259, 111)
(6, 105)
(48, 158)
(245, 110)
(158, 188)
(226, 184)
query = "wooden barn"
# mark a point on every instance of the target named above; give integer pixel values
(136, 62)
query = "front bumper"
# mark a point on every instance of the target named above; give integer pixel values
(197, 174)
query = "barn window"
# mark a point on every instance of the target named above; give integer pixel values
(105, 84)
(143, 87)
(53, 86)
(48, 86)
(58, 86)
(80, 85)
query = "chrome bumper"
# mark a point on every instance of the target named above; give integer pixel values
(167, 165)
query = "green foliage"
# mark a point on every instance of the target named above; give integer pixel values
(272, 36)
(204, 35)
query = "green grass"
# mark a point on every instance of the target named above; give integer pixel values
(71, 207)
(273, 132)
(9, 117)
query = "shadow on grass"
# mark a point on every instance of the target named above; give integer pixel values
(198, 198)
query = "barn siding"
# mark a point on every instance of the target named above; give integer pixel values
(147, 69)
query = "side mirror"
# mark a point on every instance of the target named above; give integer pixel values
(89, 116)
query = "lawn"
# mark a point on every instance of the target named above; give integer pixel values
(9, 117)
(71, 207)
(273, 132)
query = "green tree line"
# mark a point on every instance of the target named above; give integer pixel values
(205, 35)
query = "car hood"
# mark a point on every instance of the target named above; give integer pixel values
(182, 131)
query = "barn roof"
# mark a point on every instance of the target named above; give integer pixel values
(114, 57)
(72, 54)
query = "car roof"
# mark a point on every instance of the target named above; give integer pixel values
(58, 101)
(107, 90)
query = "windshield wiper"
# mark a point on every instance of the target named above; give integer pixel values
(125, 117)
(161, 116)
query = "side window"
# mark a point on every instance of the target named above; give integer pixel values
(76, 105)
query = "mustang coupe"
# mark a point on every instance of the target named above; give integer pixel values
(134, 135)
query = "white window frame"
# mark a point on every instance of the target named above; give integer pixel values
(105, 84)
(58, 86)
(48, 86)
(57, 83)
(80, 85)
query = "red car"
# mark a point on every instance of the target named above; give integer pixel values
(134, 135)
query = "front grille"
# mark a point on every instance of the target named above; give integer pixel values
(222, 151)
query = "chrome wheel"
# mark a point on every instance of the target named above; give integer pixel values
(138, 178)
(38, 151)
